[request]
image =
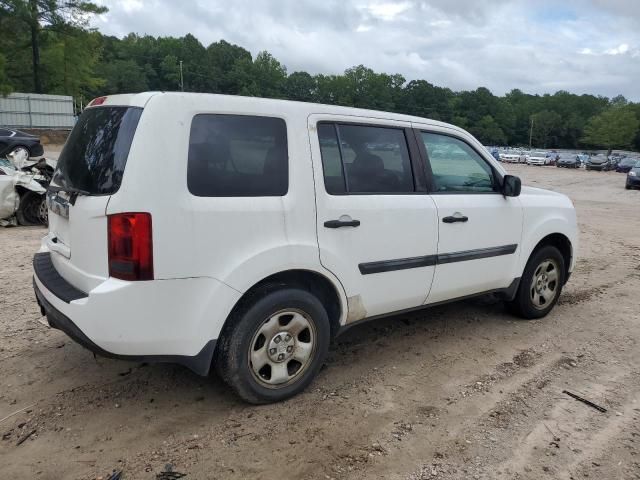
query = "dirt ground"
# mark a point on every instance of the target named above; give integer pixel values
(462, 391)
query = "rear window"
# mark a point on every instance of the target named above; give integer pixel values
(237, 156)
(95, 155)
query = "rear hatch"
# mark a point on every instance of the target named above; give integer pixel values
(89, 170)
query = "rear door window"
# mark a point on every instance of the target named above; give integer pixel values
(95, 154)
(237, 156)
(365, 159)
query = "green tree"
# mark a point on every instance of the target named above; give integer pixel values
(221, 59)
(545, 127)
(5, 88)
(488, 131)
(616, 127)
(422, 99)
(69, 58)
(300, 86)
(170, 70)
(55, 13)
(123, 76)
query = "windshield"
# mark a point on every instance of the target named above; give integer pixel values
(94, 157)
(628, 161)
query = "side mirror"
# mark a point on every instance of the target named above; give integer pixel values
(511, 186)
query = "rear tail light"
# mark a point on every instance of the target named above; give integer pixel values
(130, 246)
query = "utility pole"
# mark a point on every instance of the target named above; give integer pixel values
(181, 78)
(531, 132)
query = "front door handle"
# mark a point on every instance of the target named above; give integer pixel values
(456, 217)
(341, 223)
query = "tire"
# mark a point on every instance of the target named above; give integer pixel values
(531, 300)
(32, 209)
(272, 329)
(627, 187)
(20, 147)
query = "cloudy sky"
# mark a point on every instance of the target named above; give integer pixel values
(539, 46)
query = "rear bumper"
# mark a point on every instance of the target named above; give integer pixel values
(199, 363)
(175, 321)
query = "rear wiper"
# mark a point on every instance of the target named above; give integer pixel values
(72, 191)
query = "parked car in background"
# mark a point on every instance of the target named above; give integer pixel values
(583, 157)
(599, 162)
(626, 164)
(22, 190)
(615, 160)
(538, 158)
(633, 177)
(511, 156)
(15, 142)
(361, 214)
(569, 161)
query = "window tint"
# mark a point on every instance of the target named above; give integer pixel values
(367, 159)
(95, 154)
(331, 160)
(237, 156)
(456, 166)
(4, 133)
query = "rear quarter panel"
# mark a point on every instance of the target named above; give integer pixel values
(235, 240)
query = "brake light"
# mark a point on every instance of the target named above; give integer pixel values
(130, 246)
(97, 101)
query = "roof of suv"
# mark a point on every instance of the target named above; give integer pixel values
(141, 99)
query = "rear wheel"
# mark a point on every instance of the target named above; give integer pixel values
(32, 209)
(275, 345)
(540, 284)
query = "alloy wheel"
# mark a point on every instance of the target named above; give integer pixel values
(545, 283)
(282, 348)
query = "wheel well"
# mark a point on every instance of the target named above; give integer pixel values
(562, 243)
(313, 282)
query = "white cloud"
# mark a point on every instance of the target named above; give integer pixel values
(584, 46)
(387, 11)
(131, 6)
(619, 50)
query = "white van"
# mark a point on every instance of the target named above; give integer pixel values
(246, 233)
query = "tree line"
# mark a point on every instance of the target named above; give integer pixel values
(46, 46)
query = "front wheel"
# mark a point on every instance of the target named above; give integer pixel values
(540, 284)
(275, 345)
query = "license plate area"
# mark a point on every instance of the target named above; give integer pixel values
(58, 203)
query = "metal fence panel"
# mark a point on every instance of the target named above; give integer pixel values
(32, 110)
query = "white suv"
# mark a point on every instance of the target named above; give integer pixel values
(246, 233)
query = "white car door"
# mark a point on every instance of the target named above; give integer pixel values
(479, 228)
(377, 226)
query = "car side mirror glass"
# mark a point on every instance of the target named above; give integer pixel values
(511, 186)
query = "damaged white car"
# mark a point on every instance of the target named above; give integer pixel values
(23, 184)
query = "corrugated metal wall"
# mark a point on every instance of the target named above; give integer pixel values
(36, 111)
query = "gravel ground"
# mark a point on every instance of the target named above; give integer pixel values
(455, 392)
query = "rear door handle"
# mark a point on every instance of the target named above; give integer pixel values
(456, 217)
(341, 223)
